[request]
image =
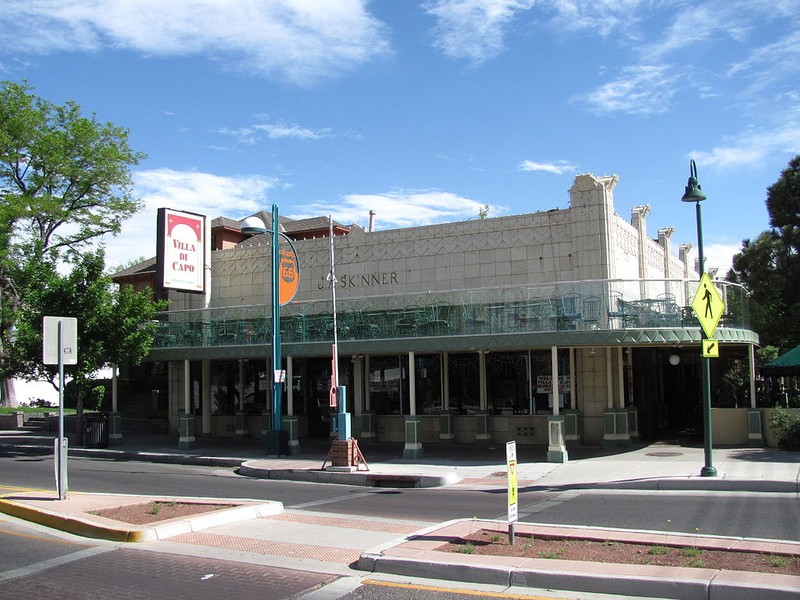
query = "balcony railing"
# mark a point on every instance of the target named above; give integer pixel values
(565, 306)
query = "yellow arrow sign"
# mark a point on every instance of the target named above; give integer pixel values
(708, 305)
(710, 349)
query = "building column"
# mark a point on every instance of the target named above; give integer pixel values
(572, 415)
(186, 441)
(241, 418)
(115, 418)
(556, 446)
(206, 398)
(624, 417)
(413, 424)
(446, 434)
(483, 430)
(609, 414)
(633, 411)
(291, 422)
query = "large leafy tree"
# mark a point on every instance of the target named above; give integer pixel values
(64, 183)
(113, 324)
(769, 266)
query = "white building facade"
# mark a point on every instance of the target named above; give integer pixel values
(559, 327)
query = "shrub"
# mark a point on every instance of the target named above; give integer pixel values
(786, 429)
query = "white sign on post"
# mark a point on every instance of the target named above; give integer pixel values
(60, 347)
(69, 335)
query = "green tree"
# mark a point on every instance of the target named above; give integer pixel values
(769, 266)
(64, 183)
(114, 325)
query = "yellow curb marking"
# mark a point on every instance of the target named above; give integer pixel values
(432, 588)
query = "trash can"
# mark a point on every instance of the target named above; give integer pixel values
(96, 431)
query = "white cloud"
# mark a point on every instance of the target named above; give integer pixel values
(720, 256)
(282, 131)
(473, 29)
(401, 208)
(291, 39)
(752, 147)
(274, 131)
(713, 21)
(559, 167)
(780, 53)
(639, 90)
(203, 193)
(598, 16)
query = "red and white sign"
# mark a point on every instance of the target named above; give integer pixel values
(181, 250)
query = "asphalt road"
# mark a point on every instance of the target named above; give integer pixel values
(41, 564)
(772, 516)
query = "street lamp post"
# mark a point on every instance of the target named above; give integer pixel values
(694, 193)
(277, 442)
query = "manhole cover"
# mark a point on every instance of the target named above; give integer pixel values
(664, 454)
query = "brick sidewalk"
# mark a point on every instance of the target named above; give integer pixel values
(125, 574)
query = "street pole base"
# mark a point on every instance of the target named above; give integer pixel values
(708, 472)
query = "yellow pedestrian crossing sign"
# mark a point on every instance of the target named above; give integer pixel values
(710, 349)
(708, 305)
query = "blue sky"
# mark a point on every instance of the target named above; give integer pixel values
(425, 111)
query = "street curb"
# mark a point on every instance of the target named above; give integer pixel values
(574, 576)
(87, 527)
(357, 478)
(416, 556)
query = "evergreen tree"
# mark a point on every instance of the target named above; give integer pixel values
(769, 266)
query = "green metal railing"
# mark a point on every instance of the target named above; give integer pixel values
(566, 306)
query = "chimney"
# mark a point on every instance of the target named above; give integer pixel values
(371, 221)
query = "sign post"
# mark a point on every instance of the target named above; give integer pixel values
(60, 346)
(511, 464)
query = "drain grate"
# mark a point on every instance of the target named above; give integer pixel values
(664, 454)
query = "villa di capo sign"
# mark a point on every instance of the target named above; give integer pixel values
(181, 250)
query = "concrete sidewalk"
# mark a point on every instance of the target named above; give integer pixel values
(374, 545)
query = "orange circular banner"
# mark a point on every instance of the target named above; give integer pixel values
(289, 275)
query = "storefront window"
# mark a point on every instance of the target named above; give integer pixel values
(507, 382)
(464, 383)
(429, 383)
(388, 385)
(257, 387)
(224, 398)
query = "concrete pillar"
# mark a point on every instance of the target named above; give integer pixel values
(206, 398)
(291, 422)
(556, 448)
(556, 442)
(483, 430)
(241, 419)
(412, 423)
(446, 433)
(186, 440)
(115, 418)
(623, 419)
(609, 414)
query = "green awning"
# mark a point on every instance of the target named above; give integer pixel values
(786, 365)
